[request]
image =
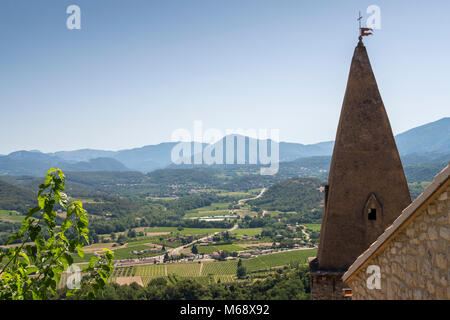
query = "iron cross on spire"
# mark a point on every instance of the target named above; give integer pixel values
(364, 32)
(359, 19)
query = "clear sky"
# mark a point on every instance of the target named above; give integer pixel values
(139, 69)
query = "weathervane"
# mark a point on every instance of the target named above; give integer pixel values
(364, 32)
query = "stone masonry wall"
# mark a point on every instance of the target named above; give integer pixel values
(327, 287)
(414, 265)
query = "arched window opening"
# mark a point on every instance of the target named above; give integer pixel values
(372, 214)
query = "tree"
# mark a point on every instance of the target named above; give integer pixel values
(132, 233)
(241, 272)
(121, 239)
(194, 249)
(33, 269)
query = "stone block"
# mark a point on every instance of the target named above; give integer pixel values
(432, 232)
(441, 261)
(444, 233)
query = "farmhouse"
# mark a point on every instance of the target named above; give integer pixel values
(245, 255)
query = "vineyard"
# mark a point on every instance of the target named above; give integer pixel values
(212, 272)
(219, 268)
(184, 269)
(124, 272)
(278, 259)
(151, 270)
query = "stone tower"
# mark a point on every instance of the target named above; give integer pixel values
(367, 188)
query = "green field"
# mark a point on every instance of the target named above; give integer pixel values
(11, 215)
(235, 194)
(154, 240)
(212, 207)
(277, 213)
(125, 253)
(278, 259)
(157, 270)
(227, 267)
(209, 272)
(124, 272)
(207, 214)
(313, 226)
(211, 249)
(87, 257)
(247, 231)
(184, 269)
(185, 231)
(219, 268)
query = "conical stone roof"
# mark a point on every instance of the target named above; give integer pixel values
(367, 186)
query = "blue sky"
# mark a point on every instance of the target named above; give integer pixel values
(138, 70)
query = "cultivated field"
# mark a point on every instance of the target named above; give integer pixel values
(185, 231)
(184, 269)
(247, 231)
(313, 226)
(11, 216)
(214, 213)
(209, 272)
(278, 259)
(219, 268)
(211, 249)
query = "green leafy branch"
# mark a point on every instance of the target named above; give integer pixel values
(33, 269)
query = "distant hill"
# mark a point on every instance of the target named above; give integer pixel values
(36, 164)
(431, 137)
(418, 167)
(83, 154)
(421, 144)
(147, 158)
(15, 198)
(301, 195)
(98, 164)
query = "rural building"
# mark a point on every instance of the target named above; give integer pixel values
(412, 253)
(367, 188)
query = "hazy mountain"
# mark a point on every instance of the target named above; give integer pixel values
(37, 163)
(83, 154)
(98, 164)
(431, 137)
(26, 162)
(288, 151)
(429, 142)
(147, 158)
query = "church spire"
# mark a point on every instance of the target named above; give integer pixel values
(367, 188)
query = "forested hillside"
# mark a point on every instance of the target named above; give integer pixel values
(15, 198)
(297, 194)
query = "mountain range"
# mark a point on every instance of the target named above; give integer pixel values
(429, 142)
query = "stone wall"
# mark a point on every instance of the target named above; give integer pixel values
(414, 264)
(327, 287)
